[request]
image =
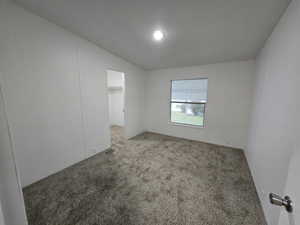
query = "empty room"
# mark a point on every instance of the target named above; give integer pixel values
(149, 112)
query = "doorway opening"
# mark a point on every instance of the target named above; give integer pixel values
(116, 104)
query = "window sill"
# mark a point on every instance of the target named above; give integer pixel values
(186, 125)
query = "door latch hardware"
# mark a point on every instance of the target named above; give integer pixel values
(286, 201)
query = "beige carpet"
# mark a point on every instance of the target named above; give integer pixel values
(151, 179)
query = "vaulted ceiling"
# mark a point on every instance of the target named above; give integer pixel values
(197, 31)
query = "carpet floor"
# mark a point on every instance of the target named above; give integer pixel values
(151, 179)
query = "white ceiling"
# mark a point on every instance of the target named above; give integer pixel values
(197, 31)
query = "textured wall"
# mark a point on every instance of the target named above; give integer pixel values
(55, 88)
(227, 111)
(272, 134)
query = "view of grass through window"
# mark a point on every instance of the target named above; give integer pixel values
(188, 101)
(187, 114)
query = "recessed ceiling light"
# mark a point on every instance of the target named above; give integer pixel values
(158, 35)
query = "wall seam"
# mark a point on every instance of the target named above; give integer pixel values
(83, 127)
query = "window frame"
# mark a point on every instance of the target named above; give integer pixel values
(200, 103)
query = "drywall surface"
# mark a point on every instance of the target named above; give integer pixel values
(1, 216)
(12, 209)
(227, 111)
(292, 188)
(272, 131)
(115, 79)
(116, 91)
(55, 88)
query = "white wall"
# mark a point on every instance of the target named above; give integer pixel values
(292, 188)
(55, 88)
(116, 91)
(271, 136)
(227, 112)
(12, 209)
(1, 216)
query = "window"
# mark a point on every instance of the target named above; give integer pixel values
(188, 100)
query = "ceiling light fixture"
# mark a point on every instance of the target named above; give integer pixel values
(158, 35)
